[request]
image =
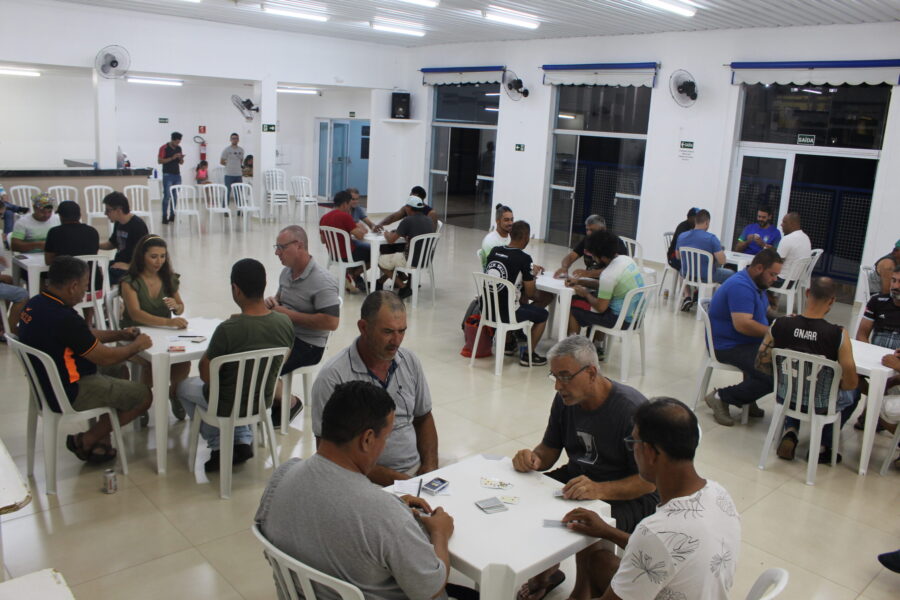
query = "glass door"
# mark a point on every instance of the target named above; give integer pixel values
(340, 156)
(462, 175)
(560, 214)
(437, 174)
(323, 145)
(763, 180)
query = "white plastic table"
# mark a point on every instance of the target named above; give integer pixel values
(739, 259)
(33, 264)
(161, 361)
(501, 551)
(40, 585)
(548, 283)
(375, 240)
(868, 363)
(14, 493)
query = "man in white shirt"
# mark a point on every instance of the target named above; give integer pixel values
(794, 246)
(504, 220)
(689, 548)
(30, 232)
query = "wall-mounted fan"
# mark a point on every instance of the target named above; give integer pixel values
(112, 62)
(683, 88)
(514, 87)
(245, 106)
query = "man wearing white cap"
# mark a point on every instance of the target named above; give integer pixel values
(415, 223)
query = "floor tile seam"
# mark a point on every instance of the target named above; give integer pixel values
(810, 571)
(831, 512)
(216, 569)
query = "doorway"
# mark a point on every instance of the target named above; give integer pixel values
(462, 175)
(343, 156)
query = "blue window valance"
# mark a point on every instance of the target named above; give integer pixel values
(618, 74)
(818, 72)
(453, 75)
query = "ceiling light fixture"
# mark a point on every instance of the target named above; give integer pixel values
(809, 91)
(492, 108)
(425, 3)
(565, 116)
(20, 72)
(397, 29)
(294, 14)
(671, 7)
(155, 81)
(498, 14)
(293, 90)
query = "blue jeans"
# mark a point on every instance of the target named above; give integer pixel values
(846, 404)
(720, 274)
(230, 180)
(168, 181)
(190, 394)
(756, 384)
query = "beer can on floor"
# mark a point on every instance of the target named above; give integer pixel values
(110, 483)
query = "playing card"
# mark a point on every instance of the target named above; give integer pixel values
(509, 499)
(554, 523)
(494, 484)
(491, 505)
(558, 493)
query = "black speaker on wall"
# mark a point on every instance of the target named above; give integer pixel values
(400, 105)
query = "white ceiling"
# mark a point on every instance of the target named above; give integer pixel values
(455, 21)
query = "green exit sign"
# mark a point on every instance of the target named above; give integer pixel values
(806, 139)
(269, 127)
(163, 119)
(520, 147)
(687, 145)
(352, 114)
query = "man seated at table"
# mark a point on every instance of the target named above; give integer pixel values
(794, 246)
(71, 237)
(308, 295)
(8, 212)
(254, 328)
(685, 225)
(376, 357)
(503, 222)
(592, 268)
(737, 315)
(701, 239)
(30, 232)
(760, 235)
(688, 549)
(880, 279)
(512, 263)
(339, 218)
(357, 211)
(385, 548)
(49, 323)
(590, 417)
(414, 224)
(15, 296)
(880, 324)
(420, 193)
(811, 333)
(128, 229)
(891, 410)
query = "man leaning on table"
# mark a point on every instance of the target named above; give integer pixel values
(324, 512)
(376, 357)
(30, 232)
(760, 235)
(50, 324)
(590, 418)
(689, 548)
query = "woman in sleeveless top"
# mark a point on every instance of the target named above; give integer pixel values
(151, 297)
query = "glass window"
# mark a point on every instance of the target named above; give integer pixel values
(603, 108)
(467, 103)
(846, 116)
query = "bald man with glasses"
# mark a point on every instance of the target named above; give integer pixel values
(590, 417)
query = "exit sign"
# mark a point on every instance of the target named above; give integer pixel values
(268, 127)
(806, 139)
(352, 114)
(520, 147)
(163, 120)
(687, 145)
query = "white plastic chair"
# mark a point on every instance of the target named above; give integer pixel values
(21, 194)
(139, 202)
(440, 226)
(243, 200)
(114, 308)
(710, 362)
(93, 201)
(636, 302)
(669, 269)
(769, 585)
(277, 194)
(54, 421)
(337, 240)
(865, 278)
(217, 175)
(289, 572)
(63, 193)
(791, 287)
(423, 247)
(489, 288)
(692, 267)
(791, 368)
(185, 197)
(806, 280)
(95, 297)
(253, 366)
(892, 447)
(301, 189)
(4, 316)
(215, 197)
(636, 252)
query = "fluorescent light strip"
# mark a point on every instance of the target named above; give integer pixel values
(565, 116)
(492, 93)
(154, 81)
(290, 90)
(671, 7)
(400, 30)
(492, 108)
(294, 14)
(20, 72)
(808, 91)
(498, 14)
(425, 3)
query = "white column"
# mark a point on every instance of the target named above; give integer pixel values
(105, 142)
(265, 94)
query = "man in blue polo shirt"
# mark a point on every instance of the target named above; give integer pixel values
(737, 315)
(760, 235)
(701, 239)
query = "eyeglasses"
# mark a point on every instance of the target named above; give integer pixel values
(566, 378)
(283, 247)
(630, 442)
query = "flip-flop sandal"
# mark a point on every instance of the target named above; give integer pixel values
(106, 453)
(555, 581)
(75, 444)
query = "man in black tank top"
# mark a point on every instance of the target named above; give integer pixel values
(812, 334)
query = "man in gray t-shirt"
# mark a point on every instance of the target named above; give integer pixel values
(376, 357)
(232, 159)
(326, 514)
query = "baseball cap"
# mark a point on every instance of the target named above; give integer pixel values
(42, 200)
(415, 202)
(693, 211)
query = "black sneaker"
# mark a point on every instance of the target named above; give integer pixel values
(242, 453)
(686, 304)
(405, 292)
(512, 347)
(536, 359)
(360, 284)
(890, 560)
(295, 410)
(212, 465)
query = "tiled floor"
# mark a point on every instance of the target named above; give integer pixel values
(172, 537)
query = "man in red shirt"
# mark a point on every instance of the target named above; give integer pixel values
(340, 218)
